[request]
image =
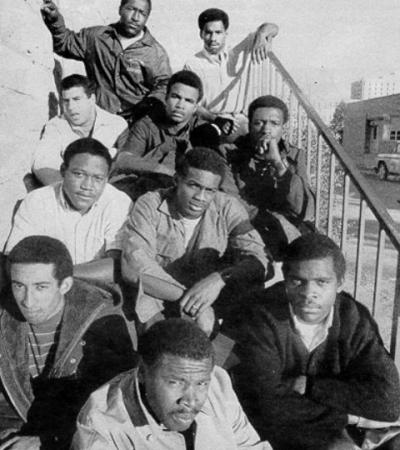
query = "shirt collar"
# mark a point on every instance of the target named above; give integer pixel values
(147, 39)
(218, 59)
(167, 205)
(318, 334)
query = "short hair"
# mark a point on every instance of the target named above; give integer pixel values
(314, 246)
(188, 78)
(206, 135)
(176, 337)
(87, 145)
(213, 15)
(76, 80)
(268, 101)
(124, 2)
(42, 250)
(201, 158)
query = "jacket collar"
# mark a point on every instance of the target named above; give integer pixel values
(147, 39)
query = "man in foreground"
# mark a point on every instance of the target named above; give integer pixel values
(60, 339)
(83, 211)
(177, 399)
(222, 71)
(130, 68)
(315, 373)
(192, 247)
(81, 118)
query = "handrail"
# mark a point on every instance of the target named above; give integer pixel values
(373, 201)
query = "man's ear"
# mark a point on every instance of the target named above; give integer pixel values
(340, 284)
(66, 285)
(92, 98)
(63, 168)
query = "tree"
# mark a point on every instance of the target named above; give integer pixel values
(337, 122)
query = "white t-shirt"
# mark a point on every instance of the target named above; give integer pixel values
(189, 225)
(126, 42)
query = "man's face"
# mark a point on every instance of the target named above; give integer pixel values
(195, 191)
(133, 17)
(78, 107)
(84, 180)
(181, 103)
(214, 36)
(311, 288)
(266, 124)
(176, 389)
(38, 294)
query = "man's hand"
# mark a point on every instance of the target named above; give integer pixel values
(270, 150)
(263, 41)
(202, 294)
(49, 11)
(22, 443)
(260, 49)
(299, 384)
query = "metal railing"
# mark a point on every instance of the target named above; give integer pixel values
(347, 208)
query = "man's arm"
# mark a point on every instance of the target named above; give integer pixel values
(106, 269)
(247, 257)
(245, 435)
(263, 41)
(131, 155)
(139, 254)
(161, 74)
(369, 385)
(66, 43)
(47, 158)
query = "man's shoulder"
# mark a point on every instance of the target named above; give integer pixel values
(107, 118)
(151, 41)
(352, 312)
(152, 200)
(114, 197)
(197, 60)
(43, 194)
(86, 296)
(108, 400)
(58, 123)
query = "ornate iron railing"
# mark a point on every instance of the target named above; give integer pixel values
(347, 208)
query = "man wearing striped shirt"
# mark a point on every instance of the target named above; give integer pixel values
(60, 339)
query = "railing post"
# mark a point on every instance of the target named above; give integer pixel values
(394, 348)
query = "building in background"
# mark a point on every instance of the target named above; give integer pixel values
(372, 128)
(375, 87)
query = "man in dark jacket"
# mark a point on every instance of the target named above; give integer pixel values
(271, 176)
(314, 364)
(59, 340)
(131, 69)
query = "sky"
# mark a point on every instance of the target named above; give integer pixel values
(324, 44)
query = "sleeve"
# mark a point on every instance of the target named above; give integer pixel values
(139, 255)
(369, 385)
(289, 195)
(245, 435)
(137, 140)
(91, 434)
(245, 245)
(161, 75)
(66, 42)
(29, 220)
(118, 214)
(48, 153)
(282, 411)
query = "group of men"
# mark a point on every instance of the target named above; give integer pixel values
(125, 305)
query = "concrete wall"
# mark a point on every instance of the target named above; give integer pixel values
(355, 120)
(27, 64)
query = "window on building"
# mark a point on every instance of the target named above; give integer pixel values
(392, 135)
